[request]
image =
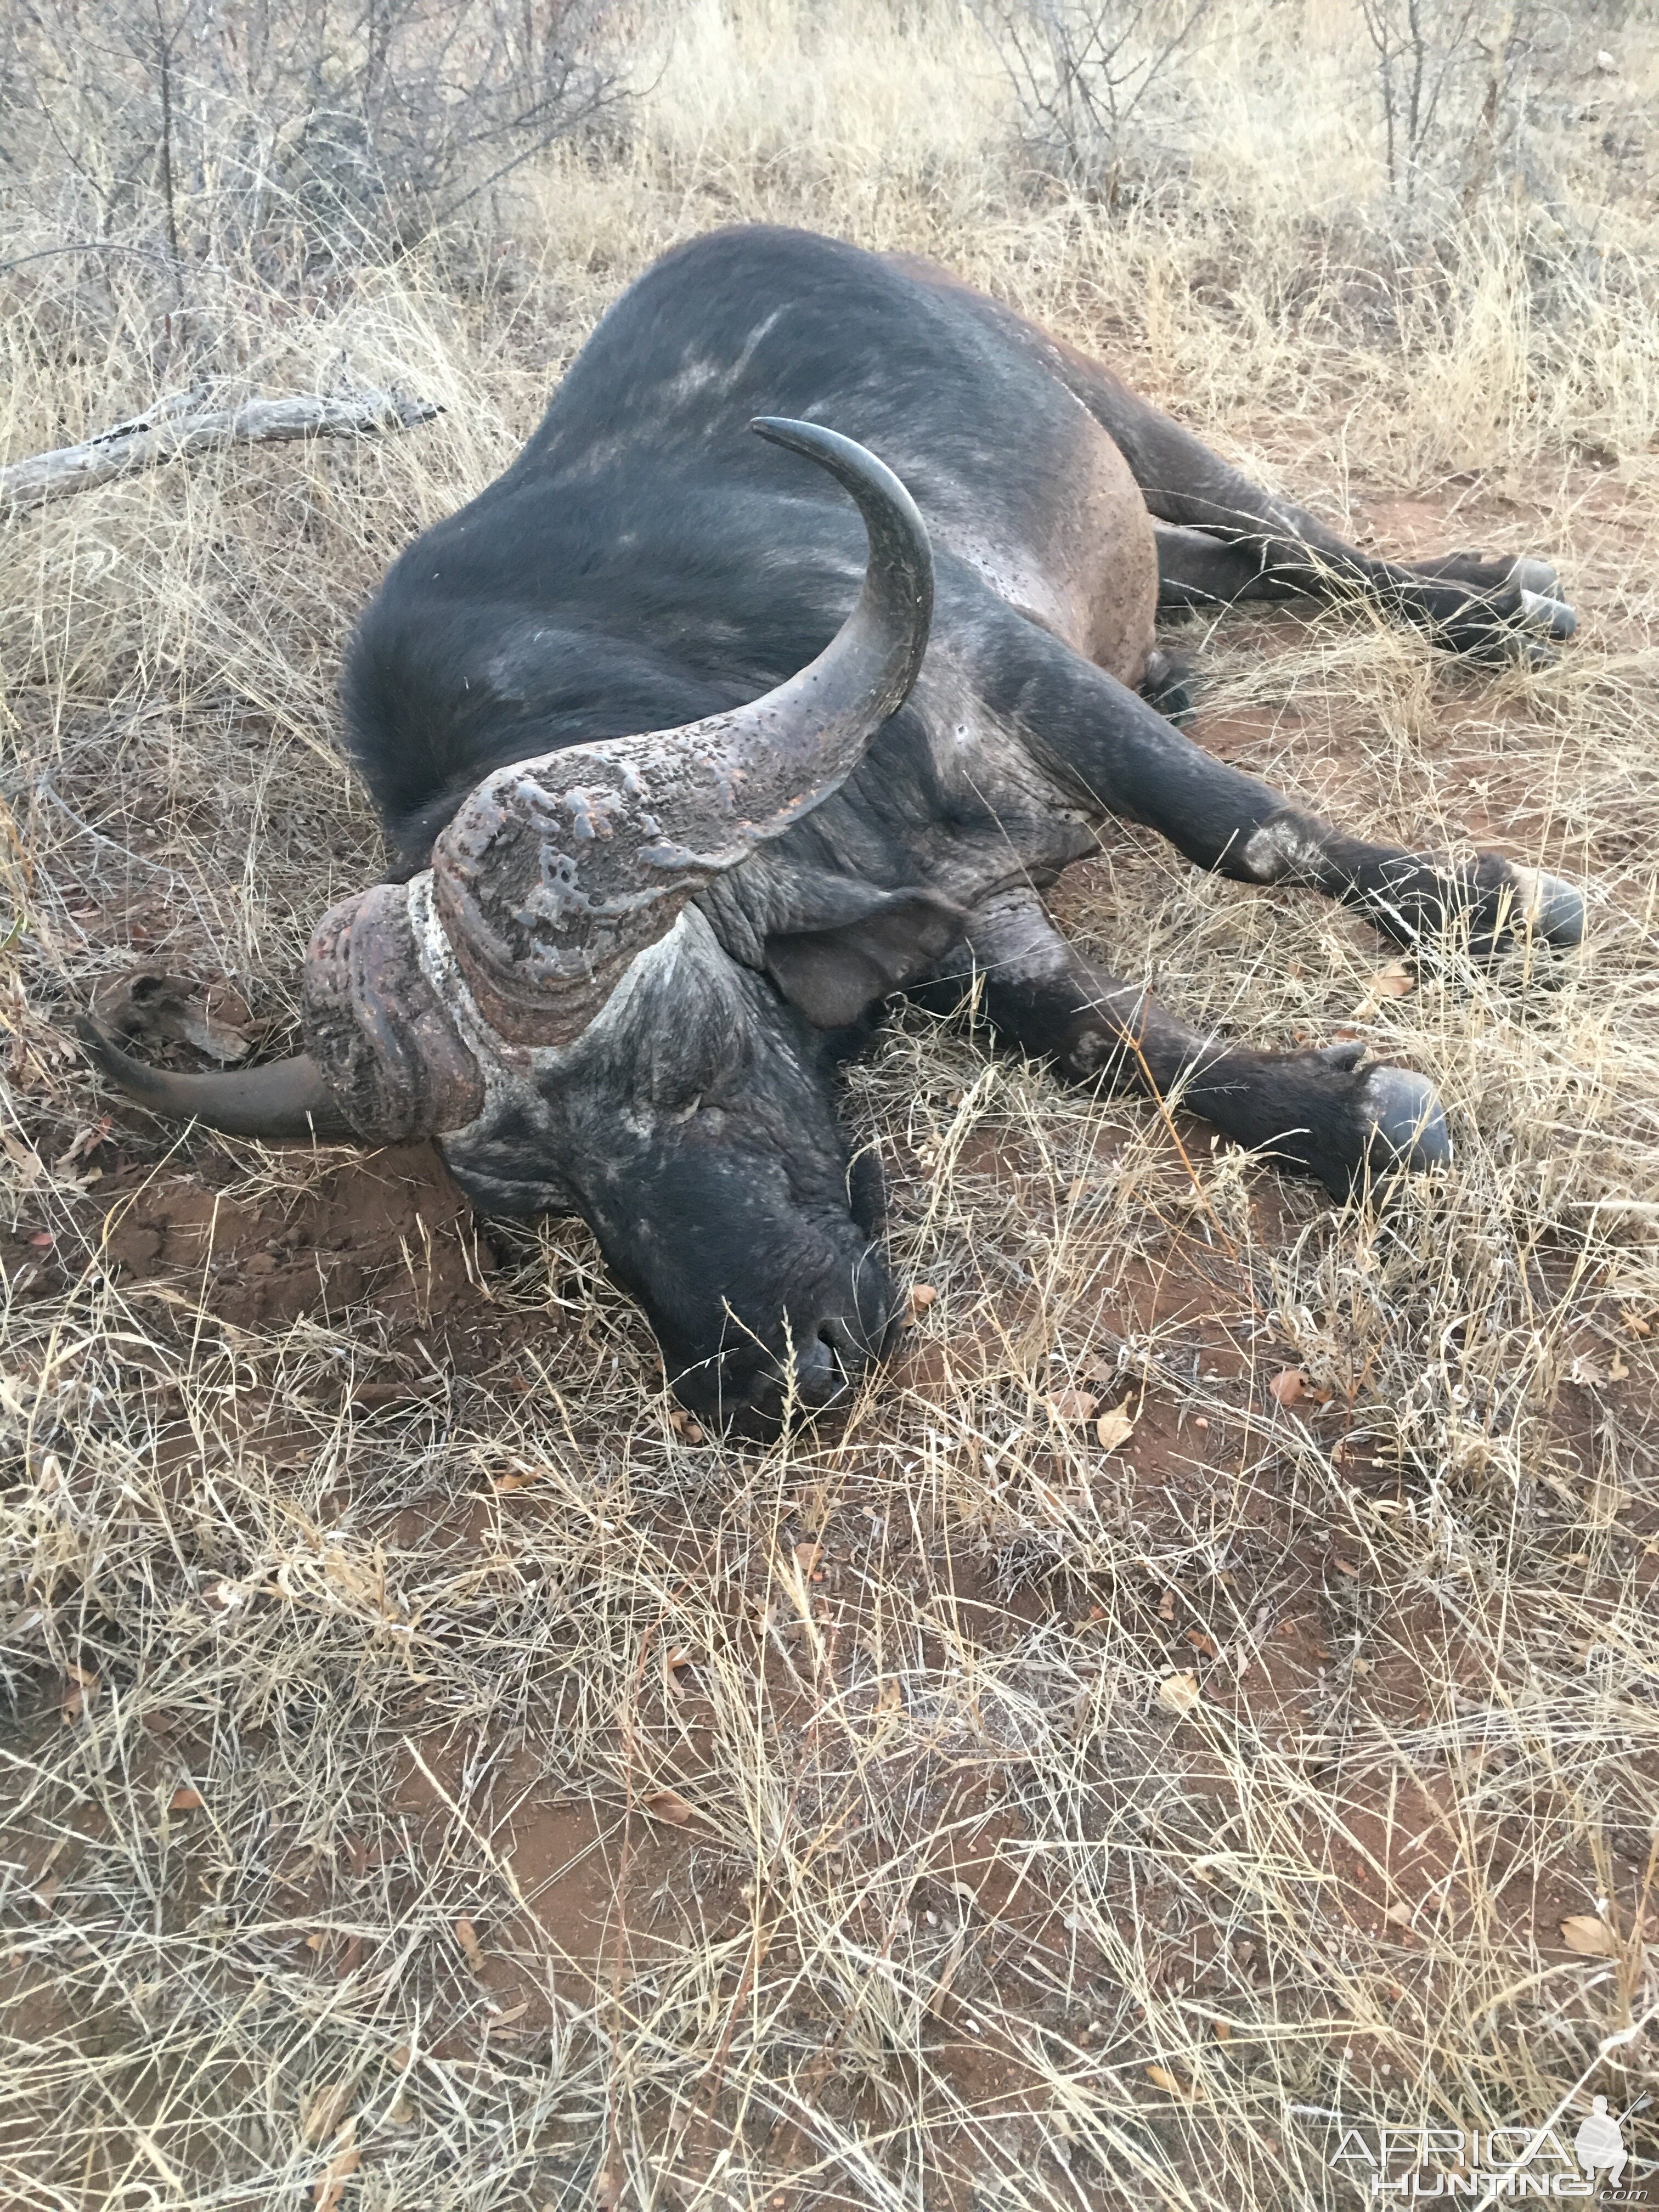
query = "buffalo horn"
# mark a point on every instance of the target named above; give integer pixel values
(288, 1098)
(559, 870)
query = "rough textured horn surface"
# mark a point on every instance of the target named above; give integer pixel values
(285, 1099)
(558, 870)
(393, 1056)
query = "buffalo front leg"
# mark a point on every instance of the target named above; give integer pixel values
(1317, 1114)
(1128, 760)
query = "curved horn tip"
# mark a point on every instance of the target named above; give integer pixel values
(283, 1100)
(113, 1062)
(899, 580)
(853, 463)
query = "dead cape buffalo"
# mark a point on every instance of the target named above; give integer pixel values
(688, 761)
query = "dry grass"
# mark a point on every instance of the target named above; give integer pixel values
(1065, 1825)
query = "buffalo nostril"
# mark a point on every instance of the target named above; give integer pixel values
(823, 1366)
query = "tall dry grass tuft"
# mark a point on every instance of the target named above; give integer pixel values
(435, 1776)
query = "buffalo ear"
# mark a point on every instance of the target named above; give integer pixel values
(833, 974)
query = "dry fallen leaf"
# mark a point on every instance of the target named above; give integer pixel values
(1166, 1605)
(1617, 1369)
(1173, 2083)
(80, 1695)
(520, 1479)
(185, 1799)
(922, 1294)
(684, 1427)
(329, 2187)
(1179, 1693)
(467, 1937)
(1114, 1428)
(147, 1007)
(1393, 981)
(323, 2111)
(1589, 1936)
(1206, 1645)
(1072, 1405)
(1223, 2032)
(1344, 1566)
(1287, 1385)
(1399, 1914)
(669, 1804)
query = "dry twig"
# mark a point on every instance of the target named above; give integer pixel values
(185, 423)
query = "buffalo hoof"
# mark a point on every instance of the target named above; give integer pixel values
(1407, 1121)
(1551, 909)
(1540, 578)
(1167, 684)
(1555, 617)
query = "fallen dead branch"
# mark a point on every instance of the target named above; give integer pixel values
(185, 423)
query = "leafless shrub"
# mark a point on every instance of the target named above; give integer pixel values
(1455, 85)
(226, 127)
(1082, 70)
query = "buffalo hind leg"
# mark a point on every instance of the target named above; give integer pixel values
(1267, 547)
(1315, 1113)
(1130, 761)
(1197, 569)
(1488, 608)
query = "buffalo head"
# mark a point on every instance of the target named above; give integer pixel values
(546, 1000)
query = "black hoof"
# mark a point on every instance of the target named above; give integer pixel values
(1550, 907)
(1539, 577)
(1167, 684)
(1555, 617)
(1510, 624)
(1406, 1121)
(1341, 1123)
